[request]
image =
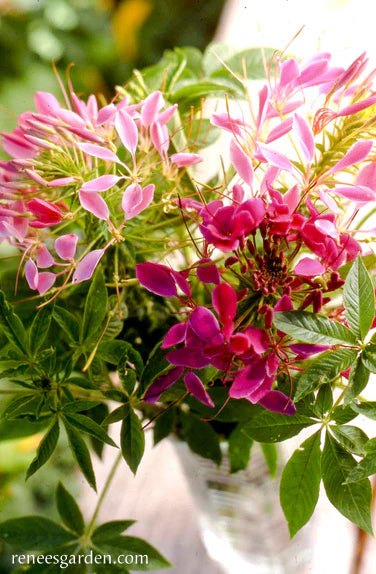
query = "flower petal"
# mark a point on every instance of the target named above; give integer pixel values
(65, 246)
(127, 130)
(197, 389)
(93, 202)
(156, 278)
(308, 267)
(241, 162)
(101, 183)
(87, 265)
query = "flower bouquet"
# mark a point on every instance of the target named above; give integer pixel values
(236, 307)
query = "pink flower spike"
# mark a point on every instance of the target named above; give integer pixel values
(151, 107)
(197, 389)
(87, 265)
(65, 246)
(101, 183)
(308, 267)
(185, 159)
(127, 130)
(357, 153)
(241, 162)
(156, 278)
(305, 137)
(99, 151)
(93, 202)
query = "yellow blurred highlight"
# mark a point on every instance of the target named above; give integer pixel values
(30, 443)
(127, 21)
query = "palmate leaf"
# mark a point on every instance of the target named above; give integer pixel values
(270, 452)
(45, 449)
(300, 484)
(353, 500)
(351, 438)
(67, 322)
(359, 299)
(313, 328)
(201, 438)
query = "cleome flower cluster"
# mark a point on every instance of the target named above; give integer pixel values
(271, 236)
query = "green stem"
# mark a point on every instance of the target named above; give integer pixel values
(101, 498)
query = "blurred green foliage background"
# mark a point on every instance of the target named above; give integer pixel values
(104, 39)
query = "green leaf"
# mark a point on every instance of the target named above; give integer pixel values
(359, 299)
(364, 468)
(313, 328)
(274, 427)
(67, 322)
(11, 325)
(352, 500)
(111, 351)
(250, 59)
(369, 261)
(132, 438)
(343, 414)
(358, 380)
(130, 368)
(163, 425)
(39, 329)
(324, 400)
(45, 448)
(239, 449)
(201, 438)
(81, 453)
(366, 408)
(13, 430)
(86, 424)
(95, 308)
(270, 453)
(350, 438)
(69, 510)
(324, 369)
(201, 89)
(34, 533)
(369, 358)
(110, 530)
(146, 557)
(300, 484)
(80, 405)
